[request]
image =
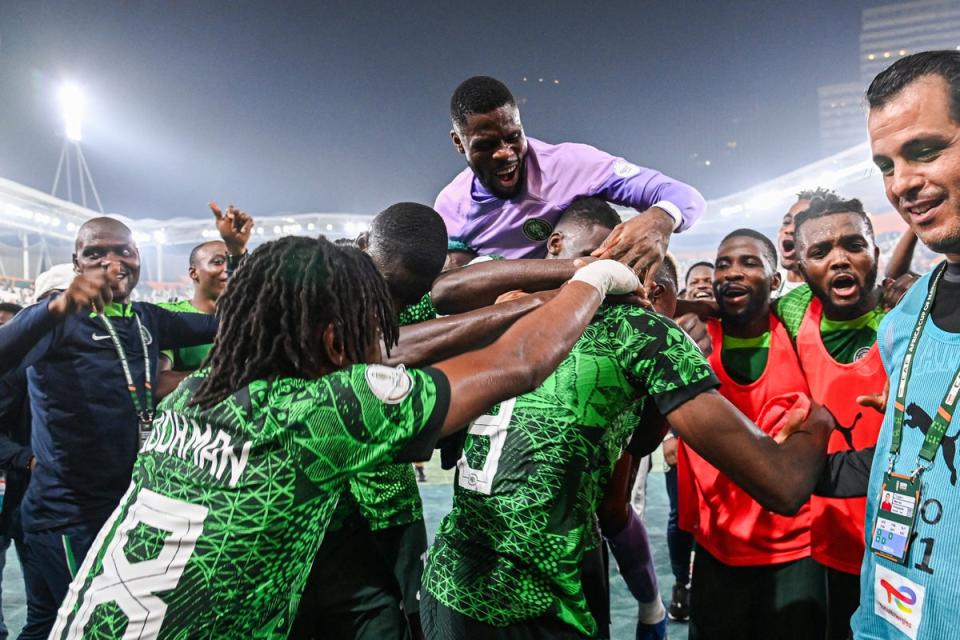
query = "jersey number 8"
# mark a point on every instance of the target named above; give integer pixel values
(133, 585)
(494, 427)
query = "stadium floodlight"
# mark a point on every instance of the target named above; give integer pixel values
(72, 103)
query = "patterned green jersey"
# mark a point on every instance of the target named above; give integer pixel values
(216, 534)
(186, 358)
(388, 496)
(845, 340)
(529, 479)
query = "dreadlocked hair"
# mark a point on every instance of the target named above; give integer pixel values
(274, 304)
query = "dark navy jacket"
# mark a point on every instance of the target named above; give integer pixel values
(15, 452)
(84, 425)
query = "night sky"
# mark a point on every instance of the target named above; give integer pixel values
(342, 106)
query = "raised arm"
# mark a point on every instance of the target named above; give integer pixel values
(88, 291)
(779, 477)
(522, 358)
(427, 342)
(902, 256)
(479, 285)
(665, 205)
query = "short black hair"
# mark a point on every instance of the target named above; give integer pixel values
(413, 236)
(828, 205)
(768, 245)
(10, 307)
(479, 94)
(893, 79)
(702, 263)
(667, 272)
(197, 249)
(589, 211)
(816, 192)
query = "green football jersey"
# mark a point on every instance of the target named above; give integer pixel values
(227, 507)
(185, 358)
(388, 496)
(845, 340)
(528, 481)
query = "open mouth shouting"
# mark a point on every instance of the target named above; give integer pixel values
(734, 294)
(844, 286)
(787, 247)
(508, 175)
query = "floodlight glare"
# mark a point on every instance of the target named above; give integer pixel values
(72, 105)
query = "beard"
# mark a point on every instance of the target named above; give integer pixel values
(843, 311)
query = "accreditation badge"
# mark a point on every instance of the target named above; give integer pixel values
(896, 516)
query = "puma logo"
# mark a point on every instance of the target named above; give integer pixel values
(917, 418)
(847, 432)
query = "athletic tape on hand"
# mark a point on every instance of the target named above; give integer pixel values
(609, 277)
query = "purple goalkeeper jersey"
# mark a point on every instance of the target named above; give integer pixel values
(556, 174)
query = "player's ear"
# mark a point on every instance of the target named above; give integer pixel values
(333, 348)
(193, 274)
(555, 243)
(363, 241)
(457, 143)
(655, 293)
(775, 284)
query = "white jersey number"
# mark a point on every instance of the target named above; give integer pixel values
(494, 427)
(133, 585)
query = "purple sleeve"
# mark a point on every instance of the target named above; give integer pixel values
(642, 188)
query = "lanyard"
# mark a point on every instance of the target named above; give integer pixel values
(941, 421)
(145, 416)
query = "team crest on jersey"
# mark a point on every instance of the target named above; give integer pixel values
(625, 169)
(390, 384)
(861, 353)
(147, 338)
(537, 229)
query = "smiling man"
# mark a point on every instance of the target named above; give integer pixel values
(90, 386)
(698, 285)
(914, 126)
(833, 321)
(509, 198)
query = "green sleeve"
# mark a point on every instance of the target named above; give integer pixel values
(419, 312)
(792, 307)
(375, 413)
(667, 364)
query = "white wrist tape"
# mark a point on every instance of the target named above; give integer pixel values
(608, 277)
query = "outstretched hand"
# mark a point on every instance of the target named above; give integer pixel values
(89, 290)
(876, 401)
(818, 418)
(696, 328)
(640, 243)
(235, 227)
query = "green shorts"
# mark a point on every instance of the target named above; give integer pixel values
(351, 591)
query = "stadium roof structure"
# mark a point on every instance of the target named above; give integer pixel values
(851, 172)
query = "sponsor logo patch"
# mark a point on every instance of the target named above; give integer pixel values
(898, 600)
(390, 384)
